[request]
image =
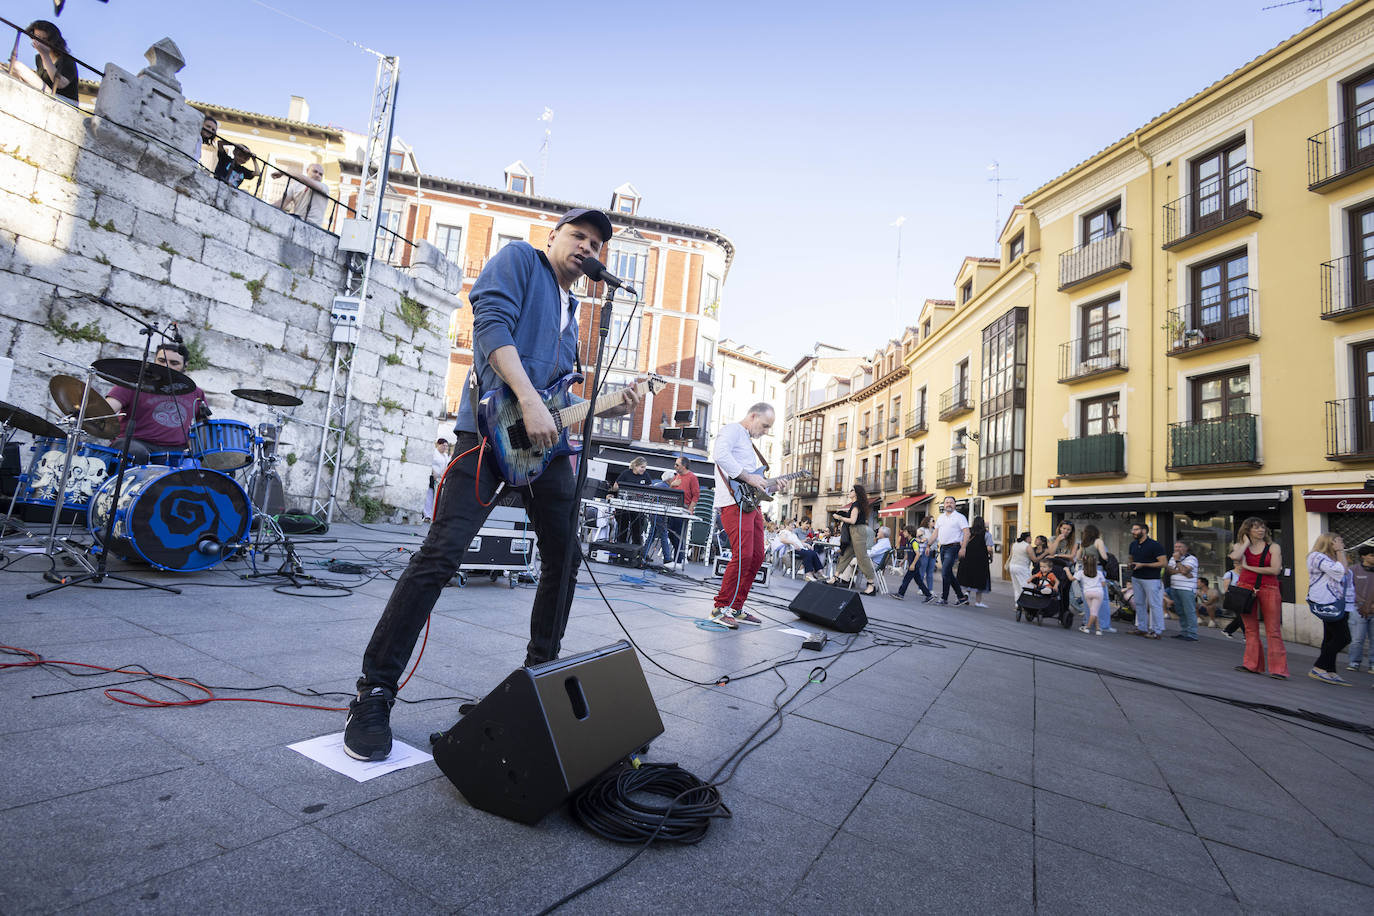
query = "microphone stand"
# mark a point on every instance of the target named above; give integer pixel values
(101, 569)
(563, 611)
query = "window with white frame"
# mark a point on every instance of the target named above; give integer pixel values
(628, 262)
(449, 240)
(625, 339)
(710, 294)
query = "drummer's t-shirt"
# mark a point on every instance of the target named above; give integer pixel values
(162, 419)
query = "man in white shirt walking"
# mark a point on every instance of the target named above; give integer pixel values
(951, 533)
(736, 460)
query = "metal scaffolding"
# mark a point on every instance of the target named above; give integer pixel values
(359, 236)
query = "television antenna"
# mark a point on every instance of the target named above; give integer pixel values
(997, 181)
(1313, 6)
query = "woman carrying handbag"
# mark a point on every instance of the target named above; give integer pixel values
(1257, 593)
(1330, 590)
(855, 547)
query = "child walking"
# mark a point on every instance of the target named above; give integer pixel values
(1094, 592)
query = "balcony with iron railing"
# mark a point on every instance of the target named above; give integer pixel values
(1213, 323)
(809, 446)
(951, 472)
(894, 427)
(840, 441)
(914, 481)
(1095, 260)
(1221, 442)
(1346, 292)
(1340, 154)
(1093, 456)
(1090, 356)
(890, 481)
(955, 401)
(864, 440)
(916, 423)
(1350, 430)
(1219, 204)
(706, 374)
(836, 486)
(786, 447)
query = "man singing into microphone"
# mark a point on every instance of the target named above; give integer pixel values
(163, 421)
(524, 329)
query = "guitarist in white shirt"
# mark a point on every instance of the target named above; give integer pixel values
(525, 335)
(736, 459)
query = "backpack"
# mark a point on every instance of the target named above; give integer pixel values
(1111, 567)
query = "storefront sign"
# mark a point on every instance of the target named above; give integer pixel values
(1338, 500)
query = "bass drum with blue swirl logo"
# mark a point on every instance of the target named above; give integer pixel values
(182, 520)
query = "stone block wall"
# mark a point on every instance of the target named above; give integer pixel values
(89, 207)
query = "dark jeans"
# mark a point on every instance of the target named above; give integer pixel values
(658, 530)
(458, 515)
(949, 555)
(913, 574)
(1335, 637)
(1235, 624)
(811, 561)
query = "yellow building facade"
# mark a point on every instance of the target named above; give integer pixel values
(1203, 349)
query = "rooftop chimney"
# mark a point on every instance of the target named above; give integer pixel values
(299, 110)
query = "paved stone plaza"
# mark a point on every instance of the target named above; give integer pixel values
(977, 768)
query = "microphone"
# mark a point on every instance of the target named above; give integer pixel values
(598, 272)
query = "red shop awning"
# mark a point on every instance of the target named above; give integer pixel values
(901, 505)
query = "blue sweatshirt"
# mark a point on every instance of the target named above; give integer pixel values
(516, 302)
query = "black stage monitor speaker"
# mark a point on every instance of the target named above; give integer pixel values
(837, 608)
(547, 731)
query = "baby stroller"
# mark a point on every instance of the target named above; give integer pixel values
(1034, 606)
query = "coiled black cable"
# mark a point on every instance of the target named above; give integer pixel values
(613, 805)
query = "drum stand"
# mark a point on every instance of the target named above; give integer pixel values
(101, 572)
(291, 567)
(264, 483)
(52, 544)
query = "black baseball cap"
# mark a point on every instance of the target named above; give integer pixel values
(600, 220)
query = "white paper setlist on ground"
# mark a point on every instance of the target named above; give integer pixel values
(329, 751)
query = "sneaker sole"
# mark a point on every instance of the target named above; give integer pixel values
(376, 755)
(742, 621)
(727, 622)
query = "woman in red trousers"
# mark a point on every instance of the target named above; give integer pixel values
(1261, 562)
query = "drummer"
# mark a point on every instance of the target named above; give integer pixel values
(163, 421)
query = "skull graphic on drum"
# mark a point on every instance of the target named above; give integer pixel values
(86, 475)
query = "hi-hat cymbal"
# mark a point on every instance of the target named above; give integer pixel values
(67, 391)
(20, 418)
(156, 379)
(264, 396)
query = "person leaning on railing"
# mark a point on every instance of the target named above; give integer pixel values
(309, 197)
(233, 169)
(54, 69)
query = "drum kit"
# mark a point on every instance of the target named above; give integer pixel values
(180, 510)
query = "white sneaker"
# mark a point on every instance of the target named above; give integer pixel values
(979, 604)
(1084, 630)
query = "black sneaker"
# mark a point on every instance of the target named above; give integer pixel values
(962, 602)
(367, 733)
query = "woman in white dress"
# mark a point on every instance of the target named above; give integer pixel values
(1019, 563)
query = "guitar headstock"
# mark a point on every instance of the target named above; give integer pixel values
(655, 383)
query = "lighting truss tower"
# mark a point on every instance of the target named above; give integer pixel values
(358, 236)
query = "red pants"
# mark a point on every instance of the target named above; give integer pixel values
(745, 531)
(1270, 607)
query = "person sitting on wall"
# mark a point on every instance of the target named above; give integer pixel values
(54, 69)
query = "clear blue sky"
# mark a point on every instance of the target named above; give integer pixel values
(800, 130)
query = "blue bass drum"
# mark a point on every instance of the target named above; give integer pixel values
(181, 520)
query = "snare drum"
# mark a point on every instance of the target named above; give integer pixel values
(222, 445)
(91, 466)
(183, 520)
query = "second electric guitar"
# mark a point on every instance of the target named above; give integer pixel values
(747, 496)
(502, 424)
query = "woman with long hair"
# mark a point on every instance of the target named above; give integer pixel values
(1330, 591)
(1260, 561)
(855, 518)
(1063, 553)
(975, 569)
(54, 68)
(1019, 564)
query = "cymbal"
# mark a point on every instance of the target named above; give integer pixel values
(264, 396)
(20, 418)
(156, 379)
(67, 391)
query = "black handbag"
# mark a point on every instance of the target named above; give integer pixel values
(1240, 599)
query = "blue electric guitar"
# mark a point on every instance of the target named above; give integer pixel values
(502, 424)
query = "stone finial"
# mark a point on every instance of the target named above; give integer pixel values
(164, 62)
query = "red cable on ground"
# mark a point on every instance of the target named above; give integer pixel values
(37, 661)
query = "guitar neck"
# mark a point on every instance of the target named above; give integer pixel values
(571, 416)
